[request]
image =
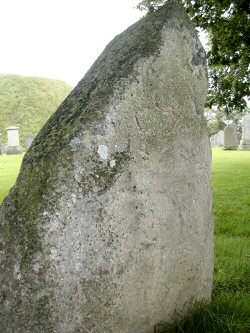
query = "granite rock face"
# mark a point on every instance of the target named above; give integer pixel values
(109, 227)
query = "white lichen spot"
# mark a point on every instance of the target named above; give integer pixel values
(76, 144)
(17, 272)
(79, 267)
(103, 152)
(112, 163)
(37, 267)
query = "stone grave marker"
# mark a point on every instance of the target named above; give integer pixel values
(245, 141)
(216, 140)
(13, 141)
(221, 138)
(117, 235)
(238, 137)
(29, 139)
(212, 140)
(230, 142)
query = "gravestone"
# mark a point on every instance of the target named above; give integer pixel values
(230, 142)
(238, 137)
(216, 140)
(245, 141)
(29, 139)
(13, 141)
(1, 144)
(221, 138)
(212, 140)
(117, 235)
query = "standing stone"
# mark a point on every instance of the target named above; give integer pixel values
(29, 139)
(216, 140)
(212, 140)
(117, 235)
(245, 141)
(238, 138)
(230, 141)
(13, 141)
(221, 138)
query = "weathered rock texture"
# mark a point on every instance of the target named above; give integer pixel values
(109, 226)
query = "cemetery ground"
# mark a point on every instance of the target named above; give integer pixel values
(229, 310)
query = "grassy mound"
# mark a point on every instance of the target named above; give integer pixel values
(28, 102)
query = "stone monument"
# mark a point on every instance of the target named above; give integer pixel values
(117, 235)
(216, 140)
(221, 138)
(29, 139)
(230, 141)
(245, 141)
(238, 138)
(13, 141)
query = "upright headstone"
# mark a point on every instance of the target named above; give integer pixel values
(117, 235)
(29, 139)
(230, 142)
(216, 140)
(245, 141)
(221, 138)
(212, 140)
(1, 144)
(13, 141)
(238, 137)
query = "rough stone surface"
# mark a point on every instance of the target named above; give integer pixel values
(245, 141)
(109, 228)
(230, 140)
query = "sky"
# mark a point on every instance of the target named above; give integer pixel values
(59, 39)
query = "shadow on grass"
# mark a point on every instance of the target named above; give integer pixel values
(217, 317)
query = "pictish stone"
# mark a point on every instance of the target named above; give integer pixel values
(13, 141)
(109, 227)
(245, 141)
(230, 142)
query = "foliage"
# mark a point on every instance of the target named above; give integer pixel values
(27, 102)
(228, 25)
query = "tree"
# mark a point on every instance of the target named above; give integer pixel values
(228, 26)
(215, 126)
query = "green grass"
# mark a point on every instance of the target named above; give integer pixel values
(229, 310)
(9, 168)
(27, 102)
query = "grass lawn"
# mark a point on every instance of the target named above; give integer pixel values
(9, 167)
(230, 307)
(229, 311)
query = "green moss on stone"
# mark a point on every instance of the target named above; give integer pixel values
(86, 105)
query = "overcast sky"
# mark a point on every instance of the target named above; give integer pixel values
(59, 39)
